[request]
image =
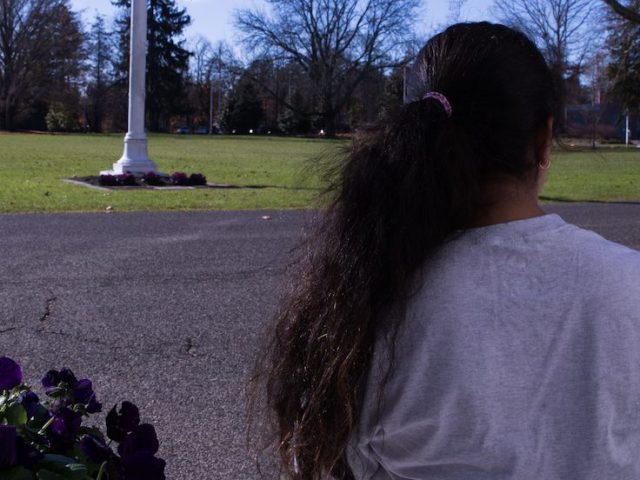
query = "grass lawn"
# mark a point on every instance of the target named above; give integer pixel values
(601, 175)
(31, 167)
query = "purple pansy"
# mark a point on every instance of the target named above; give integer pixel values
(83, 393)
(108, 180)
(65, 426)
(127, 179)
(10, 374)
(120, 423)
(53, 378)
(67, 376)
(30, 401)
(54, 426)
(81, 390)
(57, 405)
(143, 438)
(93, 406)
(137, 452)
(180, 178)
(143, 466)
(197, 179)
(8, 451)
(152, 178)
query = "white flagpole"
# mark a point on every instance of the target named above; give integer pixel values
(135, 158)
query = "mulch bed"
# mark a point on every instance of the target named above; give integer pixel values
(94, 182)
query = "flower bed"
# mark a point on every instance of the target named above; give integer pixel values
(46, 440)
(152, 179)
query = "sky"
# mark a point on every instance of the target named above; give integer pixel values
(213, 19)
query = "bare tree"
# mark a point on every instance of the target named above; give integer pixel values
(626, 12)
(556, 25)
(596, 75)
(455, 10)
(202, 51)
(213, 69)
(222, 69)
(35, 36)
(336, 42)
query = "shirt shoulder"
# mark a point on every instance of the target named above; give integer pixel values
(605, 267)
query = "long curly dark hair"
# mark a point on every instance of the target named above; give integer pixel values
(407, 183)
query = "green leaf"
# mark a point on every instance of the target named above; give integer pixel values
(48, 475)
(69, 468)
(96, 432)
(76, 471)
(56, 392)
(16, 415)
(17, 473)
(56, 460)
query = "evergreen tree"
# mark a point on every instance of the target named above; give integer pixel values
(63, 67)
(100, 76)
(167, 59)
(244, 112)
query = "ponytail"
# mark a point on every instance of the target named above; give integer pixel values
(392, 208)
(407, 183)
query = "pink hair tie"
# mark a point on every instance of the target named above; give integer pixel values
(440, 98)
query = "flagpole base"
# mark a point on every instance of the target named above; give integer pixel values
(135, 158)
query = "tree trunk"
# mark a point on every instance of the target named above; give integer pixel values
(7, 115)
(330, 127)
(97, 116)
(154, 121)
(624, 12)
(329, 112)
(557, 72)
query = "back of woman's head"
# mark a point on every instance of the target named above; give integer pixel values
(500, 89)
(407, 183)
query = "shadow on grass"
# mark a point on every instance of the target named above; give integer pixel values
(280, 187)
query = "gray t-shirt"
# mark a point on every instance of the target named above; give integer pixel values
(518, 358)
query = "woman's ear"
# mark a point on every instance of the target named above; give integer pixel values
(542, 149)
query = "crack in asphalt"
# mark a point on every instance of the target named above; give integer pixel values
(188, 347)
(48, 309)
(94, 341)
(81, 338)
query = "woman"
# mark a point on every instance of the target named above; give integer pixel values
(443, 326)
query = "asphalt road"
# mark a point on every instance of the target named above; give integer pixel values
(166, 310)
